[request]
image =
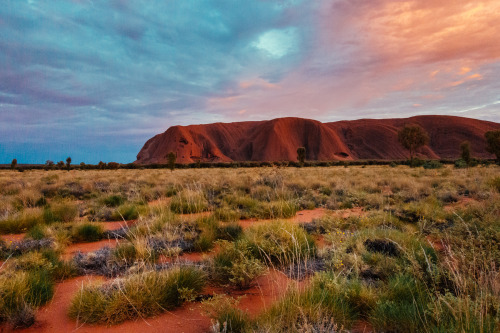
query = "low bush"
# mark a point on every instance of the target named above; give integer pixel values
(137, 296)
(60, 212)
(125, 212)
(234, 264)
(225, 315)
(114, 200)
(280, 243)
(87, 232)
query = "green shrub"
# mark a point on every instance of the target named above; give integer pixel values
(60, 212)
(234, 264)
(136, 296)
(403, 307)
(114, 200)
(41, 287)
(37, 232)
(230, 232)
(495, 183)
(188, 204)
(432, 164)
(226, 215)
(225, 315)
(13, 291)
(125, 212)
(327, 298)
(460, 164)
(87, 232)
(280, 242)
(22, 221)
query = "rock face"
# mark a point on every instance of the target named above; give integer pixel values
(278, 140)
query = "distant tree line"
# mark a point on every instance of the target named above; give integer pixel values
(412, 137)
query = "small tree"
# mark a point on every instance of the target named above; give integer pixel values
(465, 152)
(301, 155)
(493, 143)
(101, 165)
(60, 164)
(412, 137)
(171, 160)
(49, 165)
(13, 164)
(113, 165)
(68, 163)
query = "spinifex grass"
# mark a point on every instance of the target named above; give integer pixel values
(136, 296)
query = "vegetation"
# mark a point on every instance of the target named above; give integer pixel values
(390, 247)
(171, 157)
(412, 137)
(68, 163)
(465, 152)
(138, 296)
(301, 155)
(493, 143)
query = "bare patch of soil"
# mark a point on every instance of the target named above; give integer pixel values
(303, 216)
(12, 237)
(461, 203)
(70, 250)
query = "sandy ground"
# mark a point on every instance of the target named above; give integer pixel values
(189, 318)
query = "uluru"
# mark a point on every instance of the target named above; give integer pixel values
(278, 140)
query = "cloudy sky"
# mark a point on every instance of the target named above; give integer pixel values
(95, 79)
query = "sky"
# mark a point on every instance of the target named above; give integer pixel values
(95, 79)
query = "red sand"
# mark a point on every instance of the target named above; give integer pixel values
(303, 216)
(12, 237)
(70, 250)
(278, 140)
(189, 318)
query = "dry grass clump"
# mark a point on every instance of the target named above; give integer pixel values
(280, 243)
(136, 296)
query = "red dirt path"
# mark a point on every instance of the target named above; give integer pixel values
(189, 318)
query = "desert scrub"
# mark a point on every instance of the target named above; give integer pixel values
(278, 210)
(339, 300)
(226, 214)
(136, 296)
(65, 211)
(280, 242)
(189, 202)
(22, 291)
(125, 212)
(87, 232)
(21, 221)
(403, 306)
(378, 254)
(234, 264)
(14, 307)
(225, 315)
(113, 200)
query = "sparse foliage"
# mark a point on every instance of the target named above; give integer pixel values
(68, 163)
(301, 155)
(493, 143)
(465, 152)
(412, 137)
(171, 160)
(49, 164)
